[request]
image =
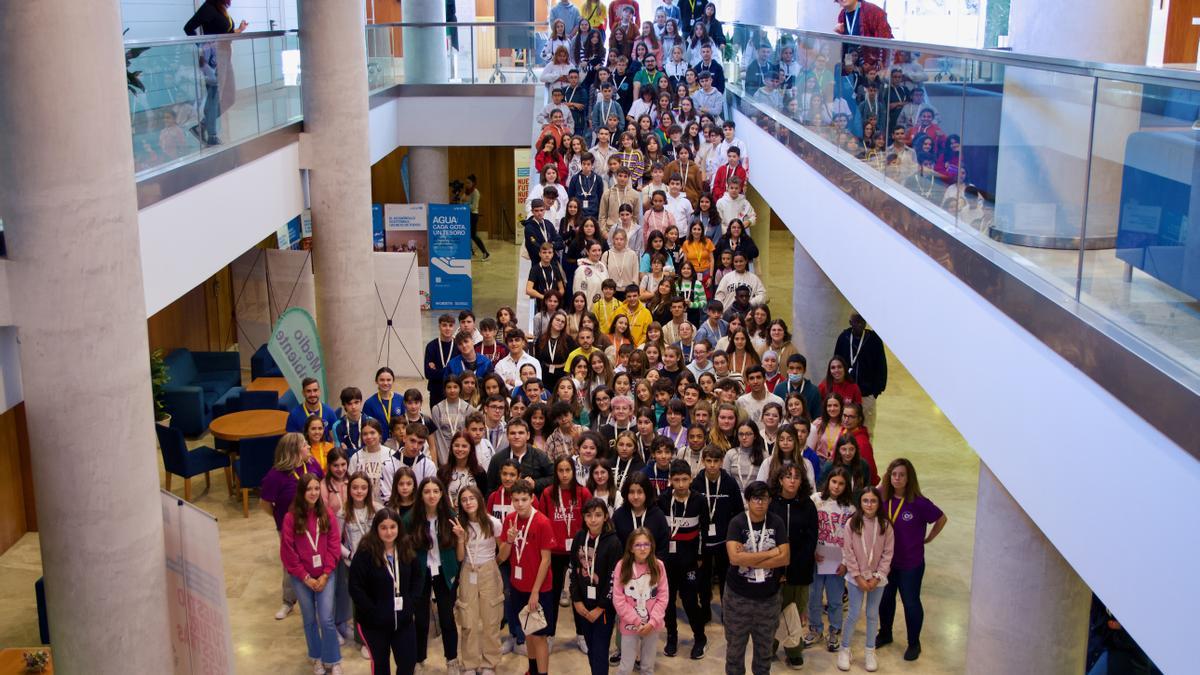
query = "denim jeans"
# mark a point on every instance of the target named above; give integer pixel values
(908, 584)
(510, 611)
(856, 603)
(832, 586)
(212, 112)
(343, 608)
(319, 631)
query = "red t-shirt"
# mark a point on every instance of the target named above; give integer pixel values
(540, 538)
(500, 504)
(566, 520)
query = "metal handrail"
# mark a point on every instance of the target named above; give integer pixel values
(195, 39)
(461, 24)
(1112, 71)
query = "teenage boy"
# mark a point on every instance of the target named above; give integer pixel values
(601, 152)
(863, 351)
(536, 470)
(347, 431)
(756, 397)
(489, 346)
(639, 316)
(678, 203)
(467, 359)
(678, 318)
(620, 422)
(715, 328)
(499, 504)
(413, 455)
(722, 501)
(538, 230)
(384, 405)
(655, 185)
(545, 277)
(575, 98)
(309, 407)
(733, 204)
(438, 353)
(659, 469)
(796, 382)
(495, 412)
(556, 105)
(688, 519)
(466, 324)
(606, 307)
(709, 65)
(759, 69)
(528, 537)
(587, 187)
(476, 431)
(607, 105)
(732, 168)
(450, 416)
(708, 99)
(509, 367)
(757, 544)
(413, 402)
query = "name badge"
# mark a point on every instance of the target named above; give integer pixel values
(567, 545)
(591, 592)
(398, 603)
(712, 529)
(518, 573)
(671, 547)
(760, 575)
(435, 567)
(586, 203)
(316, 560)
(472, 578)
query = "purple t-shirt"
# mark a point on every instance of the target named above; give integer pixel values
(911, 519)
(279, 488)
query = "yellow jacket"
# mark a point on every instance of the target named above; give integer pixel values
(639, 321)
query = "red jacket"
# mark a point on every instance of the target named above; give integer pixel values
(872, 21)
(863, 438)
(722, 176)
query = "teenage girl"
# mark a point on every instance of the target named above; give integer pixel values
(744, 461)
(868, 543)
(563, 502)
(827, 428)
(314, 433)
(430, 525)
(499, 505)
(371, 458)
(594, 555)
(600, 484)
(404, 491)
(385, 580)
(847, 456)
(640, 600)
(462, 468)
(354, 520)
(834, 508)
(478, 611)
(333, 486)
(310, 551)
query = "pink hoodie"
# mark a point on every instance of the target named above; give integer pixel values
(637, 602)
(297, 552)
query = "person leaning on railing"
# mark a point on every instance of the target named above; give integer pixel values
(216, 62)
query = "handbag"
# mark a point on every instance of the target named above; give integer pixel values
(531, 622)
(790, 631)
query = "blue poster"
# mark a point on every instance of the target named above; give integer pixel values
(450, 256)
(377, 239)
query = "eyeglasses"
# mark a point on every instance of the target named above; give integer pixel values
(758, 499)
(745, 433)
(642, 544)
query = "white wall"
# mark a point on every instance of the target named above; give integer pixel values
(1100, 482)
(150, 19)
(186, 238)
(438, 121)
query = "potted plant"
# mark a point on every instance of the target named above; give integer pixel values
(36, 660)
(158, 378)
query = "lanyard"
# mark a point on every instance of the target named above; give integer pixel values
(386, 404)
(315, 542)
(451, 420)
(621, 474)
(523, 540)
(712, 500)
(547, 279)
(737, 466)
(852, 24)
(589, 554)
(633, 516)
(870, 548)
(676, 521)
(317, 413)
(349, 440)
(552, 345)
(762, 536)
(393, 568)
(444, 356)
(892, 515)
(587, 192)
(680, 436)
(853, 352)
(565, 511)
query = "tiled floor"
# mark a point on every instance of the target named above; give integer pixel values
(910, 425)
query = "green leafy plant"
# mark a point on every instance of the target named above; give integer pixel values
(133, 78)
(158, 378)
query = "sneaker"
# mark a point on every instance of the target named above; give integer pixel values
(913, 651)
(883, 639)
(672, 647)
(284, 610)
(699, 648)
(318, 667)
(341, 640)
(614, 659)
(521, 649)
(454, 667)
(507, 646)
(550, 644)
(795, 662)
(811, 637)
(335, 669)
(835, 639)
(581, 643)
(843, 659)
(366, 653)
(486, 255)
(869, 661)
(564, 600)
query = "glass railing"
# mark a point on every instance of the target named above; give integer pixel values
(459, 53)
(1083, 173)
(192, 96)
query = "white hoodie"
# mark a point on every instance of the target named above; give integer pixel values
(730, 282)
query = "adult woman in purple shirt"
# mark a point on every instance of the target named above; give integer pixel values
(293, 459)
(910, 513)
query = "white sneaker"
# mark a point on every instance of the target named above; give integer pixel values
(550, 644)
(581, 643)
(284, 610)
(507, 646)
(521, 649)
(564, 600)
(843, 659)
(454, 667)
(341, 640)
(318, 667)
(869, 661)
(335, 669)
(366, 653)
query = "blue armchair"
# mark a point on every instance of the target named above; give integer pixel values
(255, 458)
(179, 461)
(262, 364)
(197, 383)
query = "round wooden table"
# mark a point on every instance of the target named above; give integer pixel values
(249, 424)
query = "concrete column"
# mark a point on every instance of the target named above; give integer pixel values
(760, 12)
(336, 145)
(1022, 593)
(761, 232)
(70, 215)
(425, 52)
(429, 175)
(819, 311)
(817, 16)
(1111, 31)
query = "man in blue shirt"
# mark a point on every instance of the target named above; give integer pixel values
(311, 405)
(467, 359)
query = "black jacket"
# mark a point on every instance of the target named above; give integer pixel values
(534, 464)
(802, 536)
(608, 551)
(727, 503)
(371, 591)
(211, 20)
(654, 521)
(870, 368)
(744, 245)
